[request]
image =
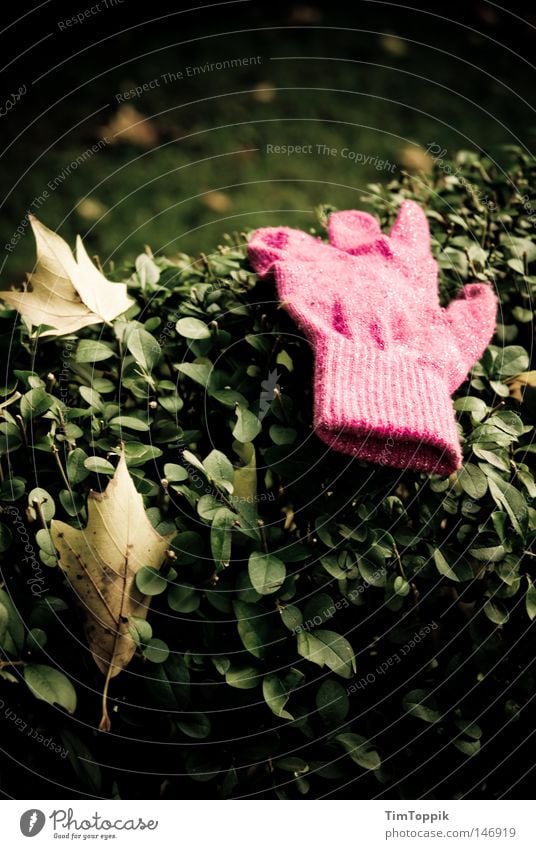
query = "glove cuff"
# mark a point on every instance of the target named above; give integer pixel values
(389, 409)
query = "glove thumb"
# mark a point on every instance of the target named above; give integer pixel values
(471, 319)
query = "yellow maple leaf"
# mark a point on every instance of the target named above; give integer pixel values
(101, 562)
(65, 293)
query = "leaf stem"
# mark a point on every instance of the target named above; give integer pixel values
(399, 561)
(59, 464)
(262, 532)
(106, 723)
(36, 504)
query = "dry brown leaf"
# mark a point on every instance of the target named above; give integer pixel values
(66, 293)
(129, 125)
(101, 562)
(91, 209)
(416, 159)
(394, 45)
(264, 92)
(519, 384)
(217, 201)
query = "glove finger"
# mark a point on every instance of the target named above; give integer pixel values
(411, 232)
(269, 245)
(352, 229)
(471, 319)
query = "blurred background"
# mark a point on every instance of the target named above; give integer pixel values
(143, 124)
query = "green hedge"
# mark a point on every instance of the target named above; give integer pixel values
(334, 628)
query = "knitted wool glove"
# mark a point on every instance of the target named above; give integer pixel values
(387, 356)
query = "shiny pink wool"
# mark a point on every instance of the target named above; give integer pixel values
(387, 356)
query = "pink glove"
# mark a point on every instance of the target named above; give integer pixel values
(387, 356)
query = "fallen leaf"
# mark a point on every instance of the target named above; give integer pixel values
(394, 45)
(129, 125)
(66, 293)
(91, 209)
(305, 14)
(101, 562)
(415, 159)
(519, 384)
(523, 389)
(264, 92)
(217, 201)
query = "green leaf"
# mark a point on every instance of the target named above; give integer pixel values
(208, 506)
(422, 705)
(508, 497)
(247, 425)
(174, 473)
(136, 453)
(35, 403)
(150, 582)
(157, 651)
(266, 572)
(12, 488)
(253, 630)
(473, 481)
(77, 470)
(219, 468)
(50, 685)
(183, 598)
(130, 422)
(196, 725)
(468, 404)
(92, 351)
(332, 702)
(467, 747)
(360, 750)
(72, 502)
(6, 537)
(332, 564)
(200, 371)
(242, 677)
(511, 360)
(508, 422)
(10, 438)
(99, 465)
(530, 599)
(188, 547)
(460, 570)
(401, 586)
(140, 629)
(276, 696)
(488, 554)
(13, 627)
(495, 613)
(92, 398)
(4, 621)
(170, 684)
(276, 691)
(282, 435)
(41, 503)
(326, 648)
(147, 270)
(192, 328)
(228, 397)
(221, 536)
(291, 616)
(143, 347)
(44, 541)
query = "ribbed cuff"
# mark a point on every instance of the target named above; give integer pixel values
(389, 409)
